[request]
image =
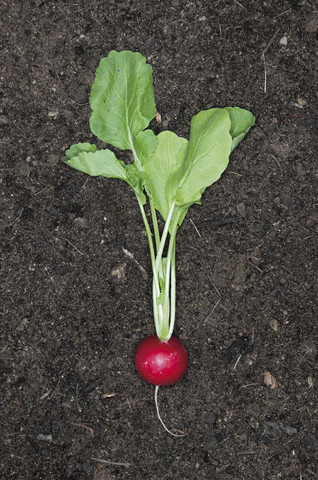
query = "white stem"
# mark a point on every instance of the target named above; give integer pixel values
(164, 236)
(158, 414)
(173, 293)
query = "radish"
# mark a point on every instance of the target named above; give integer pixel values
(169, 171)
(161, 363)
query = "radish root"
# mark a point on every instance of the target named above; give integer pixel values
(158, 415)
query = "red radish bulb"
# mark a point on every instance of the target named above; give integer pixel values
(161, 363)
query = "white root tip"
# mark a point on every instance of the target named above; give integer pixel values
(158, 415)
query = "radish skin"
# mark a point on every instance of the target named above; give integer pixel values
(161, 362)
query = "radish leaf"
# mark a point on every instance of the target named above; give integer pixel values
(122, 98)
(241, 122)
(207, 155)
(167, 159)
(74, 150)
(144, 145)
(97, 163)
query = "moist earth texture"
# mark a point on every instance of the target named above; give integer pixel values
(75, 268)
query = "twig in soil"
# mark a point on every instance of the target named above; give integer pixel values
(108, 395)
(43, 190)
(55, 389)
(240, 5)
(247, 452)
(53, 282)
(276, 160)
(212, 310)
(46, 394)
(32, 443)
(220, 28)
(263, 57)
(74, 101)
(85, 183)
(128, 403)
(283, 13)
(195, 228)
(255, 266)
(209, 278)
(265, 75)
(90, 429)
(311, 472)
(32, 25)
(74, 246)
(270, 42)
(224, 308)
(192, 247)
(237, 362)
(141, 268)
(14, 220)
(107, 462)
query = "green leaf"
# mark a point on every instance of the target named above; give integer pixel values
(136, 180)
(145, 144)
(96, 163)
(161, 168)
(207, 155)
(122, 98)
(74, 150)
(241, 122)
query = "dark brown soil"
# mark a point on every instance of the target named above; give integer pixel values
(247, 286)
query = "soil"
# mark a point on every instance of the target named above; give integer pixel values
(74, 305)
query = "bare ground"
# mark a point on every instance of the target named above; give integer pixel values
(247, 285)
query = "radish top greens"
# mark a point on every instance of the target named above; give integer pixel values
(171, 171)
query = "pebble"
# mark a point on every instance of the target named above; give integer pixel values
(172, 114)
(44, 438)
(301, 101)
(273, 324)
(81, 222)
(310, 442)
(118, 273)
(240, 207)
(53, 159)
(4, 120)
(311, 25)
(283, 40)
(53, 114)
